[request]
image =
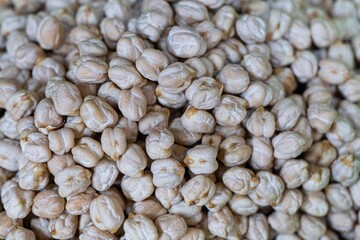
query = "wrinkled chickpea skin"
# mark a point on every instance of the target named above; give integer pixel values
(179, 120)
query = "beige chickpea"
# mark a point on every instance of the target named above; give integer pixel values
(5, 175)
(26, 56)
(194, 233)
(155, 117)
(323, 32)
(318, 180)
(167, 172)
(284, 223)
(311, 227)
(104, 174)
(110, 92)
(171, 226)
(14, 41)
(342, 221)
(269, 189)
(288, 145)
(16, 202)
(305, 66)
(258, 227)
(345, 170)
(72, 180)
(201, 159)
(281, 53)
(61, 141)
(260, 48)
(240, 180)
(106, 213)
(294, 172)
(170, 100)
(242, 205)
(33, 176)
(21, 104)
(130, 46)
(251, 29)
(91, 232)
(234, 151)
(287, 113)
(205, 122)
(224, 19)
(258, 94)
(91, 70)
(168, 196)
(278, 22)
(221, 223)
(46, 116)
(231, 110)
(333, 71)
(181, 135)
(350, 89)
(315, 204)
(210, 33)
(117, 9)
(202, 66)
(12, 23)
(8, 224)
(111, 29)
(342, 131)
(66, 98)
(138, 188)
(151, 63)
(159, 143)
(321, 116)
(124, 74)
(87, 152)
(50, 33)
(261, 123)
(321, 153)
(87, 15)
(92, 47)
(342, 52)
(299, 34)
(234, 50)
(59, 162)
(221, 197)
(132, 104)
(262, 153)
(113, 142)
(82, 33)
(291, 201)
(97, 114)
(35, 147)
(130, 128)
(47, 68)
(151, 24)
(138, 226)
(21, 233)
(176, 77)
(80, 203)
(195, 45)
(234, 78)
(286, 78)
(8, 126)
(150, 208)
(217, 57)
(48, 204)
(339, 197)
(204, 93)
(149, 90)
(133, 161)
(63, 227)
(198, 190)
(190, 12)
(7, 89)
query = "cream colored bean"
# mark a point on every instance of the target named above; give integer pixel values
(21, 233)
(261, 123)
(201, 159)
(242, 205)
(33, 176)
(132, 104)
(150, 208)
(151, 24)
(221, 197)
(111, 29)
(205, 122)
(224, 20)
(110, 92)
(171, 226)
(234, 78)
(198, 190)
(288, 145)
(113, 142)
(97, 114)
(195, 45)
(291, 201)
(124, 74)
(80, 203)
(181, 135)
(159, 143)
(47, 68)
(321, 116)
(104, 174)
(251, 29)
(61, 141)
(149, 91)
(106, 213)
(91, 70)
(151, 63)
(137, 188)
(91, 232)
(210, 33)
(278, 23)
(221, 223)
(133, 161)
(230, 111)
(342, 131)
(319, 178)
(258, 94)
(7, 224)
(72, 180)
(350, 89)
(167, 173)
(234, 151)
(339, 197)
(130, 46)
(130, 128)
(64, 226)
(168, 196)
(258, 227)
(59, 162)
(342, 221)
(138, 226)
(48, 204)
(26, 56)
(315, 204)
(333, 72)
(35, 147)
(311, 227)
(323, 32)
(50, 33)
(7, 89)
(262, 153)
(92, 47)
(294, 173)
(299, 34)
(345, 169)
(240, 180)
(21, 104)
(87, 152)
(46, 117)
(8, 126)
